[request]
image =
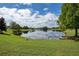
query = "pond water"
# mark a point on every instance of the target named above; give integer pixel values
(40, 34)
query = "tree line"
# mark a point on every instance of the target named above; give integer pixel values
(16, 28)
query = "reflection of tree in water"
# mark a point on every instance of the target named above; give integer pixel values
(25, 31)
(45, 30)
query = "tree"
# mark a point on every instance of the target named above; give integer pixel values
(25, 27)
(15, 28)
(69, 17)
(14, 25)
(2, 25)
(45, 28)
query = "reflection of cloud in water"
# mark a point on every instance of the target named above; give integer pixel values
(43, 35)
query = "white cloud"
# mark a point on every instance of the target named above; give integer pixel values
(45, 9)
(25, 17)
(24, 12)
(51, 16)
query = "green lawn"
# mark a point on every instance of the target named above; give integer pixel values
(16, 45)
(71, 32)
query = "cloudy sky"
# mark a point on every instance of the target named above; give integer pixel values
(31, 14)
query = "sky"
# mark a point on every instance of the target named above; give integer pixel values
(31, 14)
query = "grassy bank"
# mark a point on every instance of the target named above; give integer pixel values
(16, 45)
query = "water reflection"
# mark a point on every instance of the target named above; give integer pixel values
(40, 34)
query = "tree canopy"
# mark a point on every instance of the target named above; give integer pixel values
(2, 25)
(69, 17)
(16, 28)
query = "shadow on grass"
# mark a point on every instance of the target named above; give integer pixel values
(4, 34)
(72, 38)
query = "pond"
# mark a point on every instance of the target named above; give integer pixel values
(40, 34)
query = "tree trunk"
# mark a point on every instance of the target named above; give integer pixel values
(76, 32)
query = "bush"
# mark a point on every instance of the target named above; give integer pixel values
(16, 32)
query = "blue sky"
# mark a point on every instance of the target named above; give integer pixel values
(48, 11)
(53, 7)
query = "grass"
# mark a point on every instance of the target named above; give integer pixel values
(71, 32)
(11, 45)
